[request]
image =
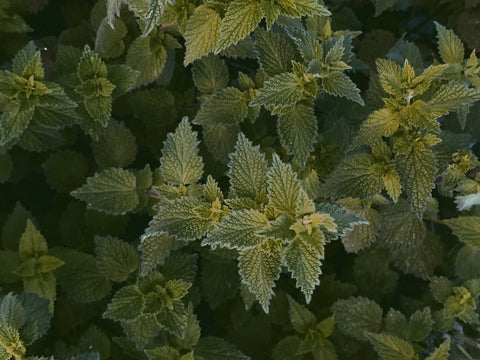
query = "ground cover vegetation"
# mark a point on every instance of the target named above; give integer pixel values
(239, 179)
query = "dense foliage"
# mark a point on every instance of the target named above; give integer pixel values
(239, 179)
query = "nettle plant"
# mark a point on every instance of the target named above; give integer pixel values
(187, 180)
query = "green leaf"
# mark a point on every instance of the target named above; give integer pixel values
(32, 243)
(409, 228)
(466, 264)
(162, 353)
(36, 310)
(11, 311)
(180, 266)
(213, 348)
(148, 56)
(417, 173)
(180, 219)
(274, 52)
(155, 247)
(354, 176)
(192, 331)
(357, 315)
(441, 288)
(109, 40)
(201, 33)
(467, 229)
(450, 46)
(116, 259)
(220, 139)
(175, 320)
(42, 284)
(338, 84)
(280, 93)
(305, 7)
(361, 235)
(115, 147)
(301, 318)
(452, 97)
(141, 329)
(420, 324)
(10, 343)
(28, 62)
(302, 258)
(287, 349)
(80, 277)
(90, 66)
(391, 347)
(210, 74)
(441, 353)
(241, 18)
(396, 324)
(126, 304)
(123, 77)
(180, 163)
(298, 132)
(259, 268)
(248, 171)
(14, 121)
(344, 220)
(227, 106)
(380, 123)
(283, 186)
(112, 191)
(237, 231)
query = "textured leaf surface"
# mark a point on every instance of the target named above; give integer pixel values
(241, 18)
(380, 123)
(391, 347)
(259, 268)
(280, 92)
(354, 176)
(361, 235)
(116, 259)
(201, 33)
(441, 353)
(339, 84)
(450, 46)
(212, 348)
(355, 315)
(303, 261)
(467, 229)
(178, 218)
(127, 303)
(248, 170)
(147, 57)
(417, 170)
(300, 317)
(210, 74)
(298, 131)
(227, 106)
(237, 230)
(116, 146)
(112, 191)
(274, 52)
(283, 186)
(180, 163)
(155, 248)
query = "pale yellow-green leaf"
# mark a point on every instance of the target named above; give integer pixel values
(201, 33)
(241, 18)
